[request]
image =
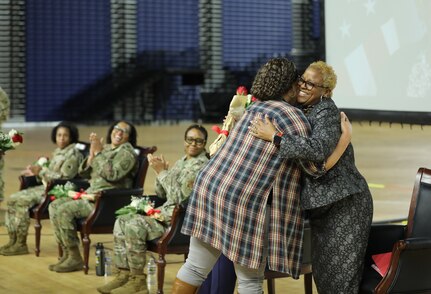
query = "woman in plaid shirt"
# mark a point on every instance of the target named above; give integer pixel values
(245, 202)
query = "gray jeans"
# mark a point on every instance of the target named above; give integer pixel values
(203, 256)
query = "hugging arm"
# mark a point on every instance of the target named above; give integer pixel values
(343, 142)
(324, 144)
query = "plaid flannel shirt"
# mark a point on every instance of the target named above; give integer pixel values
(228, 203)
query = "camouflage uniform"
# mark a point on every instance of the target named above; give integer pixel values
(131, 231)
(4, 113)
(111, 168)
(63, 165)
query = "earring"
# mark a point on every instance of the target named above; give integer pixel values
(321, 97)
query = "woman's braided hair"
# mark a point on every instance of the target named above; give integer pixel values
(274, 79)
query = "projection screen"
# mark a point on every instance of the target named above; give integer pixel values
(381, 51)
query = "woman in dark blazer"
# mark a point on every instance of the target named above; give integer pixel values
(339, 204)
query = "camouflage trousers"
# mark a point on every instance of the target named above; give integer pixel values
(17, 218)
(131, 232)
(63, 213)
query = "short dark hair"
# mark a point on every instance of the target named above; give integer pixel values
(274, 79)
(132, 135)
(73, 131)
(199, 128)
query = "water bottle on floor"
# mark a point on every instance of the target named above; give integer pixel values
(151, 275)
(108, 263)
(100, 259)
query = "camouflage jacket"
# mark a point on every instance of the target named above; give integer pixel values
(175, 185)
(111, 168)
(63, 165)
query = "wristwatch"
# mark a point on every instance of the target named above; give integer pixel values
(276, 139)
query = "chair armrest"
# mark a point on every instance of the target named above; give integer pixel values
(410, 267)
(121, 192)
(418, 243)
(28, 181)
(173, 233)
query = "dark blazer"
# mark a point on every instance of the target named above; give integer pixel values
(341, 180)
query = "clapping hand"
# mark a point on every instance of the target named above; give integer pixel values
(96, 144)
(158, 164)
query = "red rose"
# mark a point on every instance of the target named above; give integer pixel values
(254, 99)
(17, 138)
(52, 197)
(153, 211)
(241, 90)
(79, 194)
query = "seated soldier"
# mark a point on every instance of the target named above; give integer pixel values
(132, 231)
(63, 165)
(108, 166)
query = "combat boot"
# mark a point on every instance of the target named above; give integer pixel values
(19, 248)
(121, 278)
(62, 259)
(137, 282)
(73, 262)
(12, 240)
(180, 287)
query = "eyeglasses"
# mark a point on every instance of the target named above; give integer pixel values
(118, 129)
(197, 141)
(309, 85)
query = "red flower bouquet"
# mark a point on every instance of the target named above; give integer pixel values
(82, 194)
(61, 191)
(141, 205)
(11, 140)
(237, 107)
